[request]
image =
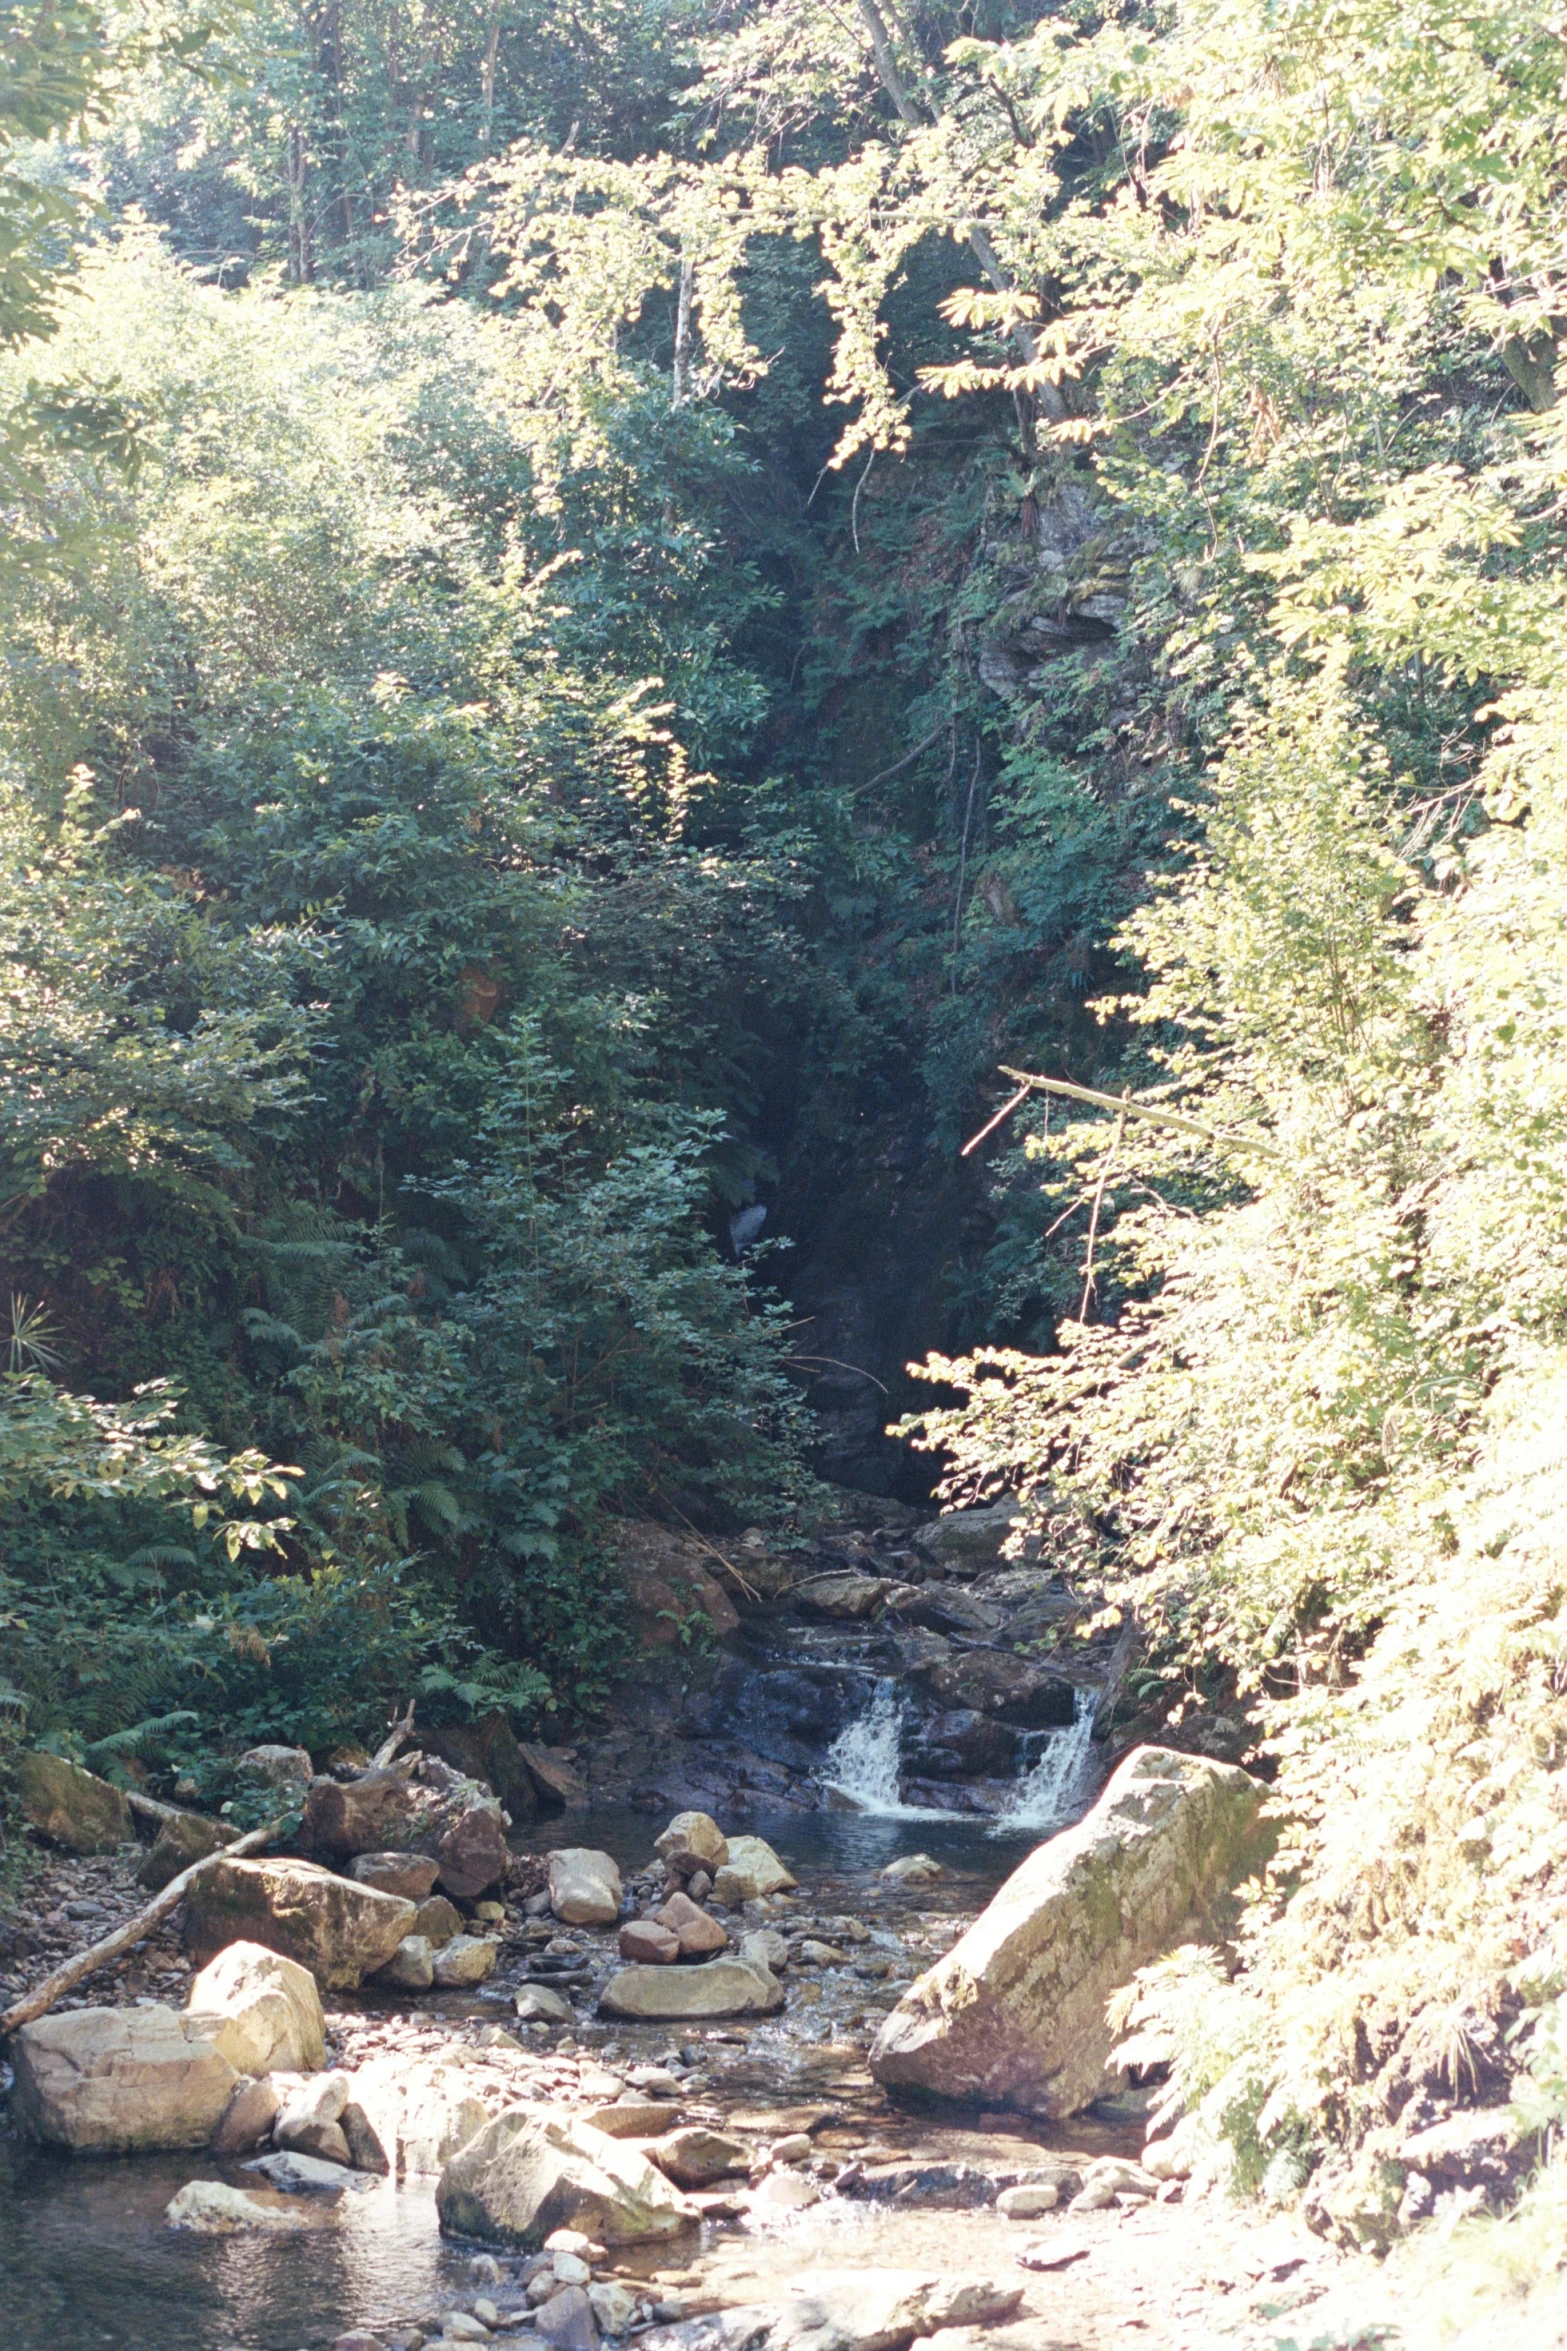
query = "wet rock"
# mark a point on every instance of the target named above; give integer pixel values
(913, 1869)
(307, 2121)
(340, 1931)
(120, 2081)
(964, 1541)
(285, 1771)
(718, 1988)
(210, 2208)
(567, 2320)
(411, 1967)
(298, 2174)
(424, 2110)
(365, 2151)
(72, 1807)
(696, 2157)
(248, 2117)
(964, 1744)
(994, 1682)
(692, 1841)
(179, 1842)
(764, 1947)
(537, 2004)
(696, 1933)
(437, 1920)
(941, 1608)
(645, 1941)
(464, 1961)
(1015, 2014)
(412, 1875)
(754, 1858)
(927, 2184)
(266, 2009)
(526, 2175)
(585, 1888)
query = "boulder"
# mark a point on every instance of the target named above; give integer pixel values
(537, 2004)
(913, 1869)
(266, 2008)
(286, 1771)
(755, 1858)
(692, 1841)
(585, 1888)
(210, 2208)
(696, 2157)
(614, 2306)
(561, 1788)
(411, 1967)
(764, 1947)
(670, 1584)
(298, 2174)
(696, 1933)
(365, 2151)
(248, 2117)
(340, 1931)
(631, 2117)
(845, 1597)
(470, 1846)
(437, 1920)
(566, 2320)
(465, 1960)
(1014, 2015)
(391, 1809)
(527, 2174)
(309, 2119)
(1014, 1689)
(424, 2109)
(412, 1875)
(885, 2309)
(964, 1541)
(645, 1941)
(120, 2081)
(179, 1842)
(72, 1807)
(487, 1751)
(721, 1987)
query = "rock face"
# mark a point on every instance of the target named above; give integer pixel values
(339, 1931)
(71, 1807)
(1014, 2015)
(526, 2175)
(722, 1987)
(584, 1887)
(266, 2009)
(121, 2081)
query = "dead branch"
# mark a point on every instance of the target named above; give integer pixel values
(152, 1809)
(135, 1930)
(399, 1731)
(1029, 1082)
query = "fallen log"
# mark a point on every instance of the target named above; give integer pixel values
(135, 1930)
(152, 1809)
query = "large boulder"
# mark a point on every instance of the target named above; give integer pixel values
(121, 2081)
(412, 1875)
(487, 1750)
(994, 1682)
(266, 2008)
(424, 2109)
(963, 1541)
(415, 1806)
(585, 1887)
(339, 1931)
(560, 1786)
(527, 2174)
(1014, 2015)
(754, 1858)
(670, 1584)
(179, 1842)
(720, 1987)
(72, 1807)
(845, 1596)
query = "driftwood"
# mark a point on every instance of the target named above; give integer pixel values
(399, 1731)
(135, 1930)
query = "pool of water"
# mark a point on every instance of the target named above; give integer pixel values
(86, 2261)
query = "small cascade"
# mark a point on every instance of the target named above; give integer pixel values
(1048, 1795)
(862, 1762)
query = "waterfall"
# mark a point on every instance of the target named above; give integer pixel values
(862, 1761)
(1046, 1796)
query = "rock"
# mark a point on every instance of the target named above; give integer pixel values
(286, 1771)
(811, 1953)
(670, 1584)
(298, 2174)
(567, 2320)
(471, 1848)
(437, 1920)
(721, 1987)
(732, 1887)
(1015, 2013)
(412, 1875)
(943, 1609)
(614, 2306)
(699, 1886)
(913, 1869)
(645, 1940)
(965, 1745)
(765, 1947)
(266, 2008)
(1027, 2203)
(696, 2157)
(756, 1859)
(307, 2121)
(490, 1914)
(120, 2081)
(365, 2151)
(209, 2208)
(692, 1841)
(411, 1967)
(72, 1807)
(844, 1598)
(424, 2110)
(569, 2268)
(963, 1541)
(585, 1887)
(388, 1809)
(560, 1787)
(885, 2310)
(248, 2117)
(340, 1931)
(537, 2004)
(526, 2174)
(994, 1682)
(631, 2117)
(695, 1932)
(793, 2147)
(459, 2327)
(179, 1842)
(487, 1751)
(787, 2191)
(465, 1960)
